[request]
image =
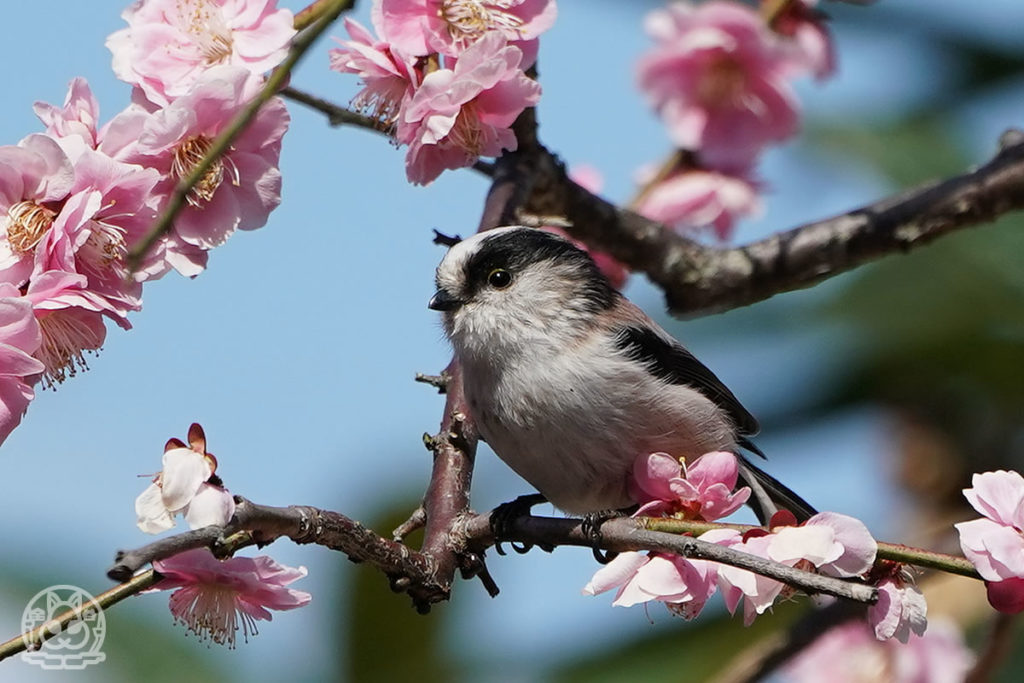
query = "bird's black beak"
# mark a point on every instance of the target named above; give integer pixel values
(443, 301)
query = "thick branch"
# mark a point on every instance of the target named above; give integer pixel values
(447, 496)
(302, 524)
(698, 278)
(419, 572)
(424, 574)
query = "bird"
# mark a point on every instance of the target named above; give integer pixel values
(569, 381)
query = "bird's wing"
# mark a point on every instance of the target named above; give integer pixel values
(669, 361)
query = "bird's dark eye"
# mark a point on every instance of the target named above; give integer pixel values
(499, 278)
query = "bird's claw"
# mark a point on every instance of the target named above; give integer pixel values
(501, 521)
(591, 528)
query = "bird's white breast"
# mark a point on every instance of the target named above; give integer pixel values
(571, 420)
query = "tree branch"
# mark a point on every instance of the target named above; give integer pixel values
(697, 278)
(928, 559)
(447, 495)
(32, 640)
(458, 539)
(422, 573)
(336, 114)
(262, 524)
(447, 498)
(626, 534)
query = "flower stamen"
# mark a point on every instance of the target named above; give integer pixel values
(65, 339)
(210, 611)
(467, 20)
(206, 25)
(27, 223)
(104, 250)
(467, 133)
(187, 156)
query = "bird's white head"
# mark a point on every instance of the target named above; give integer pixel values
(512, 288)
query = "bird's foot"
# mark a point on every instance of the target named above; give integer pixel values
(591, 528)
(502, 517)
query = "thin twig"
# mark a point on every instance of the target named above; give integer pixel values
(336, 114)
(927, 559)
(439, 382)
(416, 521)
(676, 160)
(32, 640)
(625, 534)
(309, 14)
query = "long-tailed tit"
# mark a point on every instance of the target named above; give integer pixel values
(569, 381)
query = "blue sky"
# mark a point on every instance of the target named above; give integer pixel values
(296, 349)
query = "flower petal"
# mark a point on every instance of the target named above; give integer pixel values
(153, 517)
(211, 505)
(184, 470)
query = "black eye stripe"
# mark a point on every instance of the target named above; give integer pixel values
(516, 250)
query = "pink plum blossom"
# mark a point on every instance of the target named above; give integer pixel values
(389, 78)
(420, 27)
(169, 44)
(462, 113)
(214, 598)
(704, 490)
(684, 584)
(832, 543)
(694, 199)
(900, 610)
(757, 593)
(859, 548)
(995, 543)
(83, 227)
(186, 485)
(35, 177)
(109, 209)
(835, 544)
(717, 77)
(243, 186)
(78, 117)
(70, 323)
(19, 339)
(849, 653)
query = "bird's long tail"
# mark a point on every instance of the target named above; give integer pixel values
(769, 495)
